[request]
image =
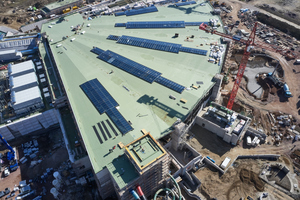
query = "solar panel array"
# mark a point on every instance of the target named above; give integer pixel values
(120, 24)
(119, 120)
(120, 14)
(141, 11)
(137, 11)
(185, 3)
(129, 66)
(170, 84)
(113, 37)
(96, 50)
(137, 70)
(150, 44)
(98, 95)
(104, 102)
(156, 24)
(193, 50)
(157, 45)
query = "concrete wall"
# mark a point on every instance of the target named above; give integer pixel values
(78, 166)
(265, 156)
(215, 96)
(254, 133)
(234, 139)
(191, 195)
(227, 137)
(210, 126)
(177, 135)
(104, 183)
(210, 163)
(195, 153)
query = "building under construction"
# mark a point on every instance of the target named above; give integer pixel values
(128, 81)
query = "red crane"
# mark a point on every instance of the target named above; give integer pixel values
(249, 45)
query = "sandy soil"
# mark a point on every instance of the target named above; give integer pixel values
(282, 104)
(229, 186)
(292, 79)
(209, 144)
(14, 13)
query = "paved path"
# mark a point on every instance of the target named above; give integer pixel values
(253, 87)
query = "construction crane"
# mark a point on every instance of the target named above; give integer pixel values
(250, 43)
(10, 155)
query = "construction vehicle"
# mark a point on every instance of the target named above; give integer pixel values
(11, 156)
(66, 10)
(250, 43)
(287, 92)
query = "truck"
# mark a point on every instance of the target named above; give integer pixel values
(286, 90)
(11, 155)
(248, 140)
(225, 163)
(254, 141)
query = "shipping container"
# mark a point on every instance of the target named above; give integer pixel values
(225, 163)
(248, 140)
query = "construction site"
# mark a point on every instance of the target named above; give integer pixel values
(153, 100)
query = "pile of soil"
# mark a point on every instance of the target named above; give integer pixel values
(250, 177)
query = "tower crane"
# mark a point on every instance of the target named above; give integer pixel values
(250, 43)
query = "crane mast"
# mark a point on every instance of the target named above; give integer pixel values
(250, 43)
(242, 67)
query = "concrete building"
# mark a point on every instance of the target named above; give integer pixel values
(27, 100)
(121, 159)
(10, 55)
(34, 123)
(227, 124)
(58, 7)
(20, 69)
(24, 88)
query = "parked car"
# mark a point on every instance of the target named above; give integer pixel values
(6, 172)
(11, 195)
(7, 191)
(2, 194)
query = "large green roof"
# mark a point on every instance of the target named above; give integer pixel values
(147, 106)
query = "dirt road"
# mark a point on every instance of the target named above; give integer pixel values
(291, 105)
(230, 186)
(292, 6)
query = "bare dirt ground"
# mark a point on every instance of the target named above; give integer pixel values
(209, 144)
(282, 104)
(275, 103)
(286, 10)
(235, 184)
(14, 13)
(230, 186)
